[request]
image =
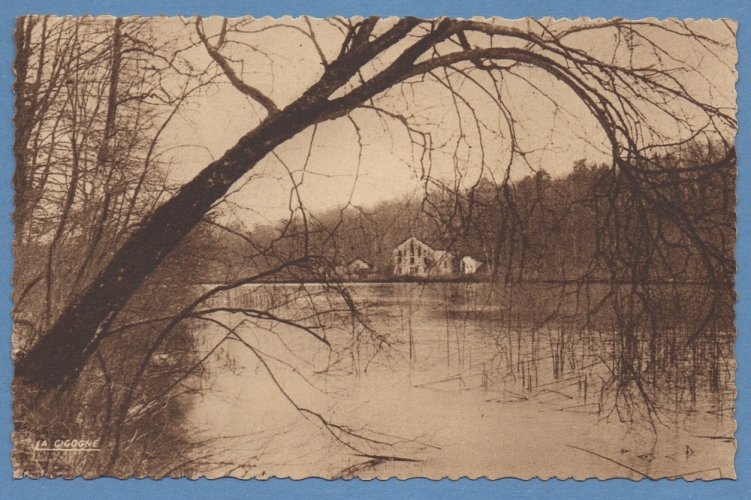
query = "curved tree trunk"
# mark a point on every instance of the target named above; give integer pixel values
(62, 352)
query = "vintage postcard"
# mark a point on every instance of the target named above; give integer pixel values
(374, 247)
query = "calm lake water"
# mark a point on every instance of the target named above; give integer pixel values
(432, 380)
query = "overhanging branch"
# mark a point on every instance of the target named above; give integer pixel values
(235, 80)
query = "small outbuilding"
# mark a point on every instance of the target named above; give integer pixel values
(358, 265)
(359, 269)
(468, 265)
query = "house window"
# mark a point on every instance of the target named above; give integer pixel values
(445, 264)
(400, 257)
(427, 263)
(412, 248)
(419, 251)
(411, 260)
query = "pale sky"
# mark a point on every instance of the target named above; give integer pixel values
(552, 127)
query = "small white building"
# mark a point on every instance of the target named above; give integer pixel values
(357, 269)
(415, 258)
(468, 265)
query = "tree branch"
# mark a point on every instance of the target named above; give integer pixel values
(235, 80)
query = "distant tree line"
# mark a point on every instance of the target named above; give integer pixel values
(675, 223)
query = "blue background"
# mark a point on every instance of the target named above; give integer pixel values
(415, 488)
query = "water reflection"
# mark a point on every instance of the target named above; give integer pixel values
(452, 378)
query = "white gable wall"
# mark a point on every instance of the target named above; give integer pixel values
(415, 258)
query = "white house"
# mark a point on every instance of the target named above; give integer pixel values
(415, 258)
(468, 265)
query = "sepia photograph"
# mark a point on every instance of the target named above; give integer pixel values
(374, 247)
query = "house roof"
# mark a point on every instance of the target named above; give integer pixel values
(359, 260)
(416, 240)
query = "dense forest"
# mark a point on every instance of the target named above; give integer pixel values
(594, 224)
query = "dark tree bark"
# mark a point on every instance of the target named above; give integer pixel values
(62, 352)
